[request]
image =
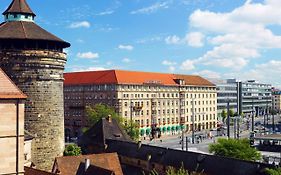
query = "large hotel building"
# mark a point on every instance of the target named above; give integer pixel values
(167, 101)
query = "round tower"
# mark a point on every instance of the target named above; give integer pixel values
(34, 59)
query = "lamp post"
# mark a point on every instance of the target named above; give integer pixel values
(253, 117)
(228, 120)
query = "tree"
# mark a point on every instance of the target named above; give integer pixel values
(233, 148)
(223, 115)
(100, 111)
(231, 113)
(72, 150)
(270, 171)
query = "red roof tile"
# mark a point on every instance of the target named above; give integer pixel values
(69, 165)
(131, 77)
(32, 171)
(8, 90)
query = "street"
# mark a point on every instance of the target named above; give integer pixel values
(202, 145)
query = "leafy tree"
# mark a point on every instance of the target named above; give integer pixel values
(233, 148)
(231, 113)
(270, 171)
(174, 171)
(72, 150)
(100, 111)
(223, 115)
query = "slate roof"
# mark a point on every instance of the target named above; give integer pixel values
(19, 6)
(22, 30)
(102, 130)
(132, 77)
(8, 90)
(210, 164)
(70, 165)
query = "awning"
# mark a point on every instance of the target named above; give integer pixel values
(168, 128)
(142, 132)
(148, 131)
(177, 128)
(173, 128)
(164, 129)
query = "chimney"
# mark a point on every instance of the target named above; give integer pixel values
(87, 164)
(109, 119)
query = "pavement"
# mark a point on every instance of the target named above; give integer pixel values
(202, 145)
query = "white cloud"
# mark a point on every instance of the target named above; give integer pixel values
(238, 36)
(80, 24)
(126, 60)
(107, 12)
(188, 65)
(173, 40)
(169, 63)
(195, 39)
(88, 55)
(208, 74)
(80, 69)
(153, 8)
(265, 72)
(125, 47)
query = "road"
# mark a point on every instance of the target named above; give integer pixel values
(174, 142)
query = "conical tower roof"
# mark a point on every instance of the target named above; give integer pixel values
(19, 6)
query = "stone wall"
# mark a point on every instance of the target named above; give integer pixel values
(39, 74)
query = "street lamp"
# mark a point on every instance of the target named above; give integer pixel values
(228, 119)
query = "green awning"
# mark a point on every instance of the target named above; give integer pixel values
(164, 129)
(177, 128)
(168, 128)
(182, 126)
(173, 128)
(148, 131)
(142, 132)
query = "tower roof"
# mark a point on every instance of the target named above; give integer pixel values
(21, 30)
(19, 6)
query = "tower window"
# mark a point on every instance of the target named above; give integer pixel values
(26, 16)
(15, 16)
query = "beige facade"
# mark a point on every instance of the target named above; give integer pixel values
(276, 101)
(164, 105)
(11, 137)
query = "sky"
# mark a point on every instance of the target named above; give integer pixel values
(211, 38)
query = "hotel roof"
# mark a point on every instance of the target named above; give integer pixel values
(132, 77)
(8, 90)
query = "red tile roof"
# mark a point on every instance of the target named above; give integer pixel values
(32, 171)
(69, 165)
(19, 6)
(8, 90)
(131, 77)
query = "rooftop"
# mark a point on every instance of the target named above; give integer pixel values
(8, 90)
(71, 165)
(19, 6)
(132, 77)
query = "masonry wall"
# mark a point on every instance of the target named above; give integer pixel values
(39, 74)
(8, 137)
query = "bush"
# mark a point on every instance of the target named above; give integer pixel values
(72, 150)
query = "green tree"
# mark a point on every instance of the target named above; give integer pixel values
(270, 171)
(233, 148)
(231, 113)
(72, 150)
(223, 115)
(100, 111)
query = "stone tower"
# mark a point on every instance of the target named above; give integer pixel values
(34, 59)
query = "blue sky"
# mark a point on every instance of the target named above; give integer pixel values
(212, 38)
